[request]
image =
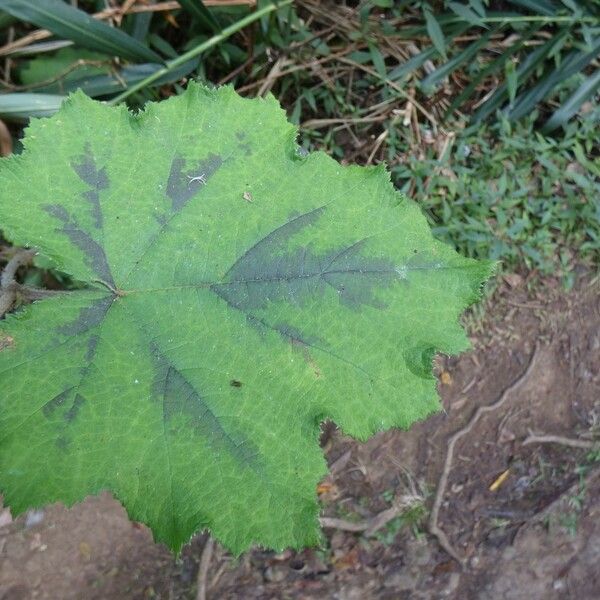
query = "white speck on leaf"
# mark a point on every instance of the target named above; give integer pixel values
(401, 271)
(201, 178)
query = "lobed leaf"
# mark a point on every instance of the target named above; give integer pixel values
(234, 293)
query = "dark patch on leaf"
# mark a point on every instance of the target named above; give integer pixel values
(57, 401)
(235, 383)
(91, 349)
(162, 220)
(86, 169)
(182, 184)
(296, 336)
(95, 255)
(62, 443)
(419, 360)
(89, 317)
(246, 149)
(270, 271)
(179, 397)
(78, 402)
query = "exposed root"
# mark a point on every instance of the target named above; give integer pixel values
(434, 528)
(8, 285)
(375, 523)
(205, 559)
(559, 439)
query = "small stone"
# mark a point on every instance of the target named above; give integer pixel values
(5, 517)
(559, 585)
(85, 550)
(276, 574)
(399, 581)
(34, 517)
(452, 584)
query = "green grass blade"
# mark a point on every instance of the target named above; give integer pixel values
(113, 83)
(141, 26)
(493, 67)
(21, 107)
(525, 70)
(202, 14)
(454, 63)
(434, 30)
(6, 20)
(572, 105)
(41, 48)
(466, 13)
(539, 7)
(412, 64)
(418, 60)
(73, 24)
(572, 64)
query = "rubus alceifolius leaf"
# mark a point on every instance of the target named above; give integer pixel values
(233, 293)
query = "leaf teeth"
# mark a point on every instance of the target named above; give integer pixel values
(250, 292)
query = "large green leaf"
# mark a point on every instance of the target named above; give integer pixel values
(235, 293)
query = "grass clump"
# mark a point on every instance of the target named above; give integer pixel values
(509, 193)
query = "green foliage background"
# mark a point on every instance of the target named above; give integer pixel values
(508, 84)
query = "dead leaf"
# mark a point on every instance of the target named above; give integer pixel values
(349, 560)
(499, 480)
(85, 550)
(513, 279)
(446, 378)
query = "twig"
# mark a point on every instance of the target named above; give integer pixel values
(8, 286)
(559, 439)
(372, 525)
(380, 139)
(397, 88)
(30, 294)
(383, 518)
(434, 528)
(205, 559)
(20, 258)
(318, 123)
(273, 74)
(332, 523)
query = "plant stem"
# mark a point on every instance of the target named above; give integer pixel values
(539, 19)
(194, 52)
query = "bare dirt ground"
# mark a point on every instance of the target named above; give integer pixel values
(522, 518)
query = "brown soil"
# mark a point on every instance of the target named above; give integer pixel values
(536, 536)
